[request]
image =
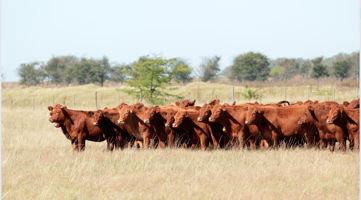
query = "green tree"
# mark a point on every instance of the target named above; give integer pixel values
(101, 70)
(30, 74)
(319, 70)
(182, 76)
(251, 67)
(210, 68)
(117, 74)
(305, 69)
(149, 77)
(276, 72)
(57, 68)
(342, 68)
(84, 71)
(290, 68)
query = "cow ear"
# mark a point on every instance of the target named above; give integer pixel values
(311, 109)
(234, 103)
(90, 113)
(256, 103)
(177, 103)
(63, 107)
(346, 103)
(50, 108)
(245, 108)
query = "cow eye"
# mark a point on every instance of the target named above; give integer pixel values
(253, 114)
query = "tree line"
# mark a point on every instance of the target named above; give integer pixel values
(250, 66)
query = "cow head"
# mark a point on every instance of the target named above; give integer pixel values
(98, 117)
(57, 114)
(204, 113)
(150, 113)
(214, 102)
(334, 113)
(253, 115)
(307, 116)
(217, 112)
(179, 118)
(169, 117)
(124, 114)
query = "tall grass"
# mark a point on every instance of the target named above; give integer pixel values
(38, 163)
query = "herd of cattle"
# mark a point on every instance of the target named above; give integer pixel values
(249, 125)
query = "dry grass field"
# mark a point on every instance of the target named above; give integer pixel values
(38, 163)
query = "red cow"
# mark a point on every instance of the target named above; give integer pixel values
(79, 125)
(341, 117)
(197, 132)
(276, 123)
(185, 103)
(107, 119)
(233, 120)
(133, 117)
(328, 133)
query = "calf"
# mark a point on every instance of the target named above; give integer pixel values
(79, 126)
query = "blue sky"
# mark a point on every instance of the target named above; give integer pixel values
(125, 30)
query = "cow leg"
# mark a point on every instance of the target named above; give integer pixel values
(252, 143)
(81, 143)
(161, 143)
(204, 142)
(242, 141)
(74, 143)
(356, 141)
(171, 140)
(275, 140)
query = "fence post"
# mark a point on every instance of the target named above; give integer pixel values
(164, 98)
(96, 103)
(308, 94)
(233, 94)
(334, 90)
(118, 99)
(260, 96)
(285, 94)
(356, 93)
(53, 101)
(73, 101)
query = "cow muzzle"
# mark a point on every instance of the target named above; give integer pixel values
(57, 125)
(199, 119)
(247, 122)
(299, 122)
(166, 125)
(329, 122)
(211, 119)
(175, 125)
(120, 122)
(95, 124)
(146, 121)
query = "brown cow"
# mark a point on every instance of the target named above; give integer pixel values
(185, 103)
(276, 123)
(233, 120)
(317, 115)
(133, 117)
(79, 125)
(107, 119)
(197, 132)
(341, 116)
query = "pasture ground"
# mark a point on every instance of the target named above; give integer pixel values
(38, 163)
